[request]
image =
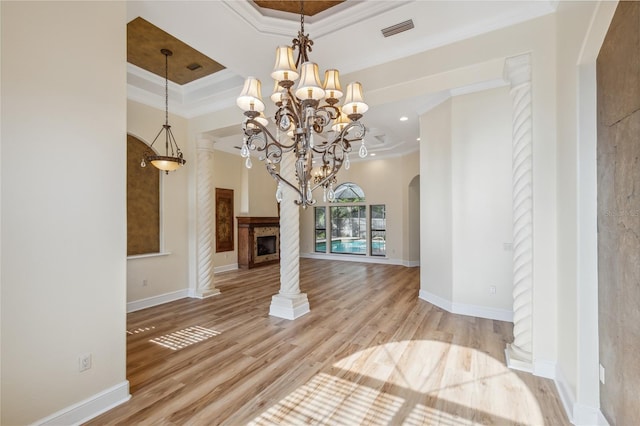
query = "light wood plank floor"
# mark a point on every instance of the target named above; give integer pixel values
(369, 352)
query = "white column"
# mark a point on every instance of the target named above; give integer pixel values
(204, 219)
(520, 353)
(289, 303)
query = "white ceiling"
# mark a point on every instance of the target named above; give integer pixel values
(347, 37)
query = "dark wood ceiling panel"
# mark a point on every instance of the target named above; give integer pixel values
(293, 6)
(144, 41)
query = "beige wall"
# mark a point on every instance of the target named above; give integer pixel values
(384, 181)
(165, 274)
(253, 192)
(63, 208)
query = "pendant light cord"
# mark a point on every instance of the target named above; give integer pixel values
(166, 88)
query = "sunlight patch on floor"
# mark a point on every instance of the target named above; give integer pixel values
(419, 366)
(327, 399)
(139, 330)
(186, 337)
(423, 415)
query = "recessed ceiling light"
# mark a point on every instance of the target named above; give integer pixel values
(373, 154)
(418, 139)
(404, 118)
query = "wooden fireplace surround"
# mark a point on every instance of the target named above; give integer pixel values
(249, 228)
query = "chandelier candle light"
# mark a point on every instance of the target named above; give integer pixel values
(298, 117)
(173, 158)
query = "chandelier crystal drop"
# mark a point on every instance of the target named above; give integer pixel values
(172, 158)
(304, 111)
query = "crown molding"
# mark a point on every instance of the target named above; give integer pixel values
(208, 94)
(334, 19)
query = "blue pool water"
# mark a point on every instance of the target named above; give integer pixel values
(352, 247)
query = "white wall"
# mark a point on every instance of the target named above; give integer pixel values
(63, 207)
(436, 212)
(165, 274)
(581, 30)
(466, 204)
(478, 60)
(482, 198)
(384, 181)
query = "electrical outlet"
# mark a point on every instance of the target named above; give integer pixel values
(601, 374)
(492, 289)
(144, 283)
(84, 362)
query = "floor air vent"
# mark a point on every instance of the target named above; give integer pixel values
(397, 28)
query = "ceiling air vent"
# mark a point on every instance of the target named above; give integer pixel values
(397, 28)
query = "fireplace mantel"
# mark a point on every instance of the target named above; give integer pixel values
(258, 241)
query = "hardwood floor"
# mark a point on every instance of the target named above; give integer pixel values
(369, 352)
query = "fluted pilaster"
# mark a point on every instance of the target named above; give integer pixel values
(205, 214)
(518, 73)
(289, 303)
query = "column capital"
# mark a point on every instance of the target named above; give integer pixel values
(517, 70)
(204, 144)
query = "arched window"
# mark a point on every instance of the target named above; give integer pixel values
(349, 192)
(143, 201)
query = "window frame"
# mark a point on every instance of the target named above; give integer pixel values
(316, 229)
(373, 230)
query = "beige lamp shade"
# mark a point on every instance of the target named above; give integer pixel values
(285, 68)
(340, 123)
(167, 164)
(332, 88)
(260, 119)
(353, 101)
(278, 93)
(251, 97)
(309, 86)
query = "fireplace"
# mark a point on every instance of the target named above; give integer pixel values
(266, 245)
(258, 241)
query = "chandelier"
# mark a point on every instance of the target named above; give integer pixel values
(300, 116)
(172, 158)
(320, 177)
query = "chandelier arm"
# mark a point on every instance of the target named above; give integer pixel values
(156, 138)
(173, 143)
(294, 104)
(263, 130)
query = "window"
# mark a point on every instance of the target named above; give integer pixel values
(320, 229)
(349, 193)
(378, 238)
(349, 229)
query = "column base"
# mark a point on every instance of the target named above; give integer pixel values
(289, 307)
(203, 294)
(516, 361)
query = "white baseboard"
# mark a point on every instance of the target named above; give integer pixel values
(579, 414)
(584, 415)
(225, 268)
(137, 305)
(89, 408)
(434, 299)
(411, 263)
(354, 258)
(467, 309)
